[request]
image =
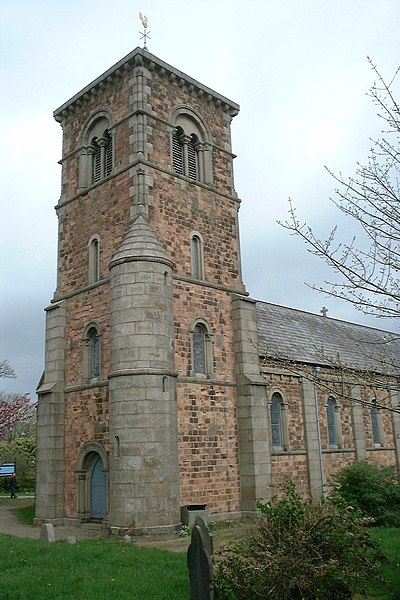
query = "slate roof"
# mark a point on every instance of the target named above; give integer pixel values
(299, 336)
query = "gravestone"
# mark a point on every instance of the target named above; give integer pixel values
(199, 561)
(47, 533)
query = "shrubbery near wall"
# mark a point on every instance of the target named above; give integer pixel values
(298, 550)
(371, 489)
(21, 451)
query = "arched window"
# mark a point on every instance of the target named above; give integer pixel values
(102, 152)
(92, 352)
(196, 250)
(276, 420)
(279, 425)
(331, 421)
(201, 349)
(94, 259)
(376, 426)
(97, 151)
(191, 145)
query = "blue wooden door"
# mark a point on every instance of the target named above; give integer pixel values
(98, 493)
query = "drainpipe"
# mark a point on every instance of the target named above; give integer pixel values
(321, 463)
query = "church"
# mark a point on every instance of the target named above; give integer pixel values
(167, 388)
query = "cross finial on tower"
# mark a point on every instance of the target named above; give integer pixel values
(144, 34)
(324, 311)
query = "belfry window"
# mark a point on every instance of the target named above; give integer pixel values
(193, 159)
(96, 159)
(102, 152)
(190, 145)
(177, 151)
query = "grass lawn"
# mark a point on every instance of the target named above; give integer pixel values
(108, 569)
(89, 570)
(389, 538)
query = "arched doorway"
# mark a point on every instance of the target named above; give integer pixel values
(91, 475)
(98, 488)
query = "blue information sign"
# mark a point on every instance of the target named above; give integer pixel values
(7, 469)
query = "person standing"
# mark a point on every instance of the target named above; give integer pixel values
(13, 486)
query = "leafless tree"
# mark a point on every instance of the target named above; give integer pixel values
(367, 267)
(6, 370)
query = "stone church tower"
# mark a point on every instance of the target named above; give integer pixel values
(147, 376)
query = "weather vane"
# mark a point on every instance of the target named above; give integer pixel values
(145, 33)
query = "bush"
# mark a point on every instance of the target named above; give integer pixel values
(298, 550)
(371, 489)
(22, 452)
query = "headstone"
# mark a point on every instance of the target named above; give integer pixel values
(199, 560)
(47, 533)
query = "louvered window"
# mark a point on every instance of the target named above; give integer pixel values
(331, 419)
(96, 162)
(177, 151)
(199, 350)
(193, 159)
(109, 155)
(276, 420)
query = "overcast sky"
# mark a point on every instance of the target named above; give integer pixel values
(297, 68)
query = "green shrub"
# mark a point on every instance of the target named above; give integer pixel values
(371, 489)
(298, 550)
(22, 452)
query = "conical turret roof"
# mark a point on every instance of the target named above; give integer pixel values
(140, 243)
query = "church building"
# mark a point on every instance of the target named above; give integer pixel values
(166, 386)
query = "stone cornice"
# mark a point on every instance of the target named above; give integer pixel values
(140, 57)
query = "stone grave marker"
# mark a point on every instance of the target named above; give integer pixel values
(47, 533)
(199, 561)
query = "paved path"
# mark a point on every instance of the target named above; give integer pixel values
(10, 525)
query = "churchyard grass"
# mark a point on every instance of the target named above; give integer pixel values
(93, 570)
(389, 538)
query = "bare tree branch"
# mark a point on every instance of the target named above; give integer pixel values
(366, 269)
(6, 370)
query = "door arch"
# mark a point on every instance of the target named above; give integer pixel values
(91, 475)
(97, 488)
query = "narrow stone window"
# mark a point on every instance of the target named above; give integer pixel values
(94, 356)
(196, 246)
(199, 350)
(376, 425)
(94, 260)
(331, 421)
(92, 353)
(276, 420)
